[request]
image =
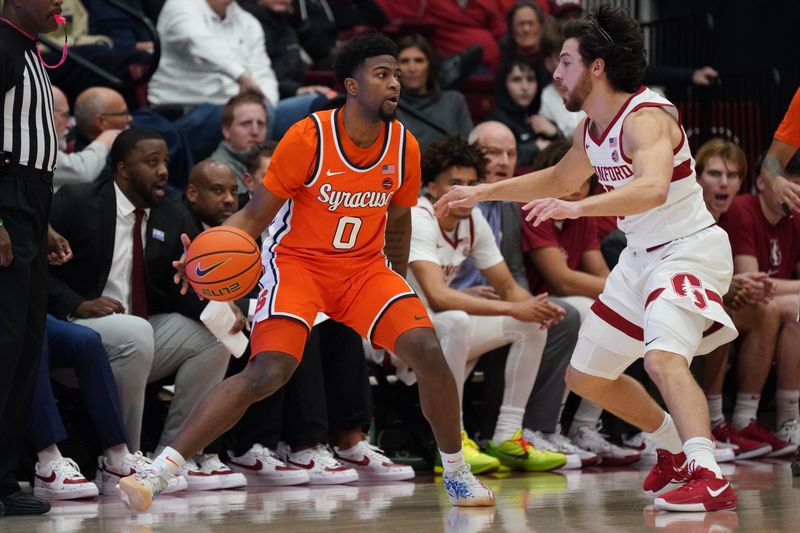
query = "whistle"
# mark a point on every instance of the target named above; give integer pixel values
(60, 20)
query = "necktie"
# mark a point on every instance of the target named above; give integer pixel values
(138, 290)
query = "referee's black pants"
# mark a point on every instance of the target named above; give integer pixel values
(24, 207)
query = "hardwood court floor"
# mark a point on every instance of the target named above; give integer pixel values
(596, 499)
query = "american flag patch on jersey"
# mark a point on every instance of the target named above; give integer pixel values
(612, 142)
(388, 169)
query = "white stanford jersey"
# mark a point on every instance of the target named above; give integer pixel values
(684, 212)
(472, 238)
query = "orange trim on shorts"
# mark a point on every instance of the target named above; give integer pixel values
(278, 334)
(402, 315)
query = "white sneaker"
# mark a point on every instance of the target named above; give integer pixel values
(371, 464)
(555, 442)
(322, 468)
(789, 431)
(465, 490)
(229, 479)
(646, 447)
(610, 454)
(724, 452)
(109, 476)
(62, 480)
(263, 467)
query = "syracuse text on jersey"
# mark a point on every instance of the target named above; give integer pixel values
(354, 200)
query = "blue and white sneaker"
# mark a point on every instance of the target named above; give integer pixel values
(464, 489)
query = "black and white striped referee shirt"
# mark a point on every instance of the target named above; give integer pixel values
(28, 130)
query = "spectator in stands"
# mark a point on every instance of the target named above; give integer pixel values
(213, 50)
(565, 10)
(97, 110)
(77, 167)
(721, 167)
(518, 98)
(284, 48)
(764, 239)
(120, 285)
(425, 109)
(542, 414)
(525, 23)
(244, 124)
(471, 325)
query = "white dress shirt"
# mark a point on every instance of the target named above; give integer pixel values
(202, 55)
(118, 284)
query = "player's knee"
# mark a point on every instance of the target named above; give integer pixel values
(421, 350)
(268, 372)
(663, 366)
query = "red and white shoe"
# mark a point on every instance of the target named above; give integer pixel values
(261, 466)
(108, 476)
(748, 448)
(371, 464)
(703, 492)
(321, 466)
(780, 448)
(669, 469)
(62, 480)
(229, 479)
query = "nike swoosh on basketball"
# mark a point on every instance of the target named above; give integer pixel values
(202, 272)
(715, 493)
(329, 173)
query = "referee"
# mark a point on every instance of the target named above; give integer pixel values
(28, 148)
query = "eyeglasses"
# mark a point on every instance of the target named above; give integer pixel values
(125, 113)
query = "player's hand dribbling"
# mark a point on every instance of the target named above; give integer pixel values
(538, 309)
(550, 208)
(180, 265)
(458, 196)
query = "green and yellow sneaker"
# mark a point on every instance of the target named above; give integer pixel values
(518, 454)
(479, 462)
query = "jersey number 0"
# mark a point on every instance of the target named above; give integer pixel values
(346, 233)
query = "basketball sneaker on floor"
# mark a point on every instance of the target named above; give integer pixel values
(371, 464)
(321, 466)
(207, 472)
(109, 476)
(62, 480)
(137, 491)
(610, 454)
(262, 466)
(748, 448)
(703, 492)
(555, 442)
(479, 462)
(465, 490)
(781, 447)
(669, 469)
(646, 447)
(518, 454)
(790, 431)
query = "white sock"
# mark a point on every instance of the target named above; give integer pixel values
(169, 460)
(588, 414)
(48, 455)
(701, 451)
(746, 409)
(666, 436)
(508, 422)
(348, 452)
(786, 406)
(453, 462)
(715, 409)
(116, 454)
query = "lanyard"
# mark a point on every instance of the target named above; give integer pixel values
(61, 21)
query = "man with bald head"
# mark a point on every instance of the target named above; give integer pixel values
(82, 166)
(541, 422)
(99, 109)
(212, 193)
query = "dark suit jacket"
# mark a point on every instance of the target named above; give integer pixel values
(86, 216)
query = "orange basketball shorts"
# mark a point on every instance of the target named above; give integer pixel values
(367, 296)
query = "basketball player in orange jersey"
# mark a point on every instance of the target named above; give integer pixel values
(338, 194)
(663, 300)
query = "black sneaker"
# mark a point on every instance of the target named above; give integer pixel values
(20, 503)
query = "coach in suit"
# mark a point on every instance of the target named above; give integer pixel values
(124, 235)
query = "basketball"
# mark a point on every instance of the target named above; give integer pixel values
(223, 263)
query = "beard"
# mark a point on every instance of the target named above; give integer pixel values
(146, 194)
(575, 98)
(386, 116)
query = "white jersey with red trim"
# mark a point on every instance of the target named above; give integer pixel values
(684, 211)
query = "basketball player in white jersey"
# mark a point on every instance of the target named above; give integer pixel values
(663, 301)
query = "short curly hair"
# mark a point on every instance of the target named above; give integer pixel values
(611, 34)
(449, 152)
(358, 49)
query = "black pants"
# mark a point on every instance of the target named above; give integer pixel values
(24, 208)
(328, 392)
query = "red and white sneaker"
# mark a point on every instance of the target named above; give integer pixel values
(610, 454)
(321, 466)
(748, 448)
(261, 466)
(755, 431)
(703, 492)
(669, 469)
(210, 462)
(371, 464)
(62, 480)
(109, 476)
